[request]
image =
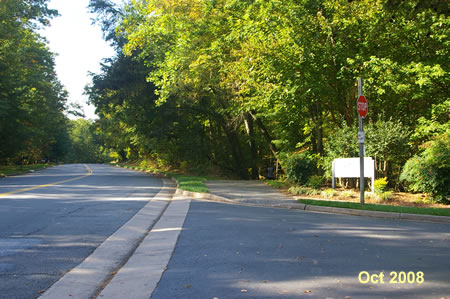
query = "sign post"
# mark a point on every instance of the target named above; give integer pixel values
(361, 106)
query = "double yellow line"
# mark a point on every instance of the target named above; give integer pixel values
(51, 184)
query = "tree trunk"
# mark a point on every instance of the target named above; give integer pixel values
(236, 152)
(253, 150)
(265, 133)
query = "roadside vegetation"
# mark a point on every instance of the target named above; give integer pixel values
(232, 97)
(185, 181)
(382, 195)
(375, 207)
(10, 170)
(246, 89)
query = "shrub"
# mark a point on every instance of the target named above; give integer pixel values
(370, 195)
(387, 195)
(343, 143)
(429, 171)
(329, 193)
(379, 185)
(312, 192)
(347, 194)
(297, 190)
(386, 141)
(315, 181)
(300, 167)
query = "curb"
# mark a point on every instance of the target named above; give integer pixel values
(86, 279)
(151, 257)
(313, 208)
(207, 196)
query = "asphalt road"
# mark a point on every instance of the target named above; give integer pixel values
(223, 251)
(227, 251)
(47, 230)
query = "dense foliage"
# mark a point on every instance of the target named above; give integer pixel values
(241, 85)
(429, 170)
(301, 167)
(84, 144)
(32, 101)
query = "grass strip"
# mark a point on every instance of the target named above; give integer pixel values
(373, 207)
(17, 169)
(190, 183)
(185, 182)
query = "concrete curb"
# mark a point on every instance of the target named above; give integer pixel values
(430, 218)
(86, 279)
(313, 208)
(207, 196)
(139, 277)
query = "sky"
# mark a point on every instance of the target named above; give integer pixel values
(79, 47)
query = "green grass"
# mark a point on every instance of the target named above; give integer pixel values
(17, 169)
(185, 182)
(372, 207)
(277, 184)
(190, 183)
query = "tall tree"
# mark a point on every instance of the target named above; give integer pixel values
(32, 100)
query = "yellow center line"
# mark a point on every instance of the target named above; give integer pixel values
(48, 185)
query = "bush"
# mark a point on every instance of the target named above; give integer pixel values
(347, 194)
(300, 167)
(343, 143)
(312, 192)
(370, 195)
(379, 185)
(386, 141)
(383, 196)
(315, 182)
(329, 193)
(429, 171)
(297, 190)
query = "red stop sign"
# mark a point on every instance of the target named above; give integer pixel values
(361, 106)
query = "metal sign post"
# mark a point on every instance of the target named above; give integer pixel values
(362, 111)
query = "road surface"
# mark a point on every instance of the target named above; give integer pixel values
(223, 250)
(228, 251)
(46, 231)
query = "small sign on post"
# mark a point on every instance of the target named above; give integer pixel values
(361, 137)
(361, 106)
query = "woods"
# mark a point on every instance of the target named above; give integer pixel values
(237, 87)
(244, 85)
(32, 100)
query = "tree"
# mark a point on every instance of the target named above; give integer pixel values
(242, 83)
(32, 100)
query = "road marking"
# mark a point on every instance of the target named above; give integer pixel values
(51, 184)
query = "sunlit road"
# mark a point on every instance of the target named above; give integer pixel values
(45, 229)
(228, 251)
(51, 220)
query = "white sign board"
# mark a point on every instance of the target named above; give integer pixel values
(349, 168)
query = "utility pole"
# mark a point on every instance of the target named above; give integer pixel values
(362, 112)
